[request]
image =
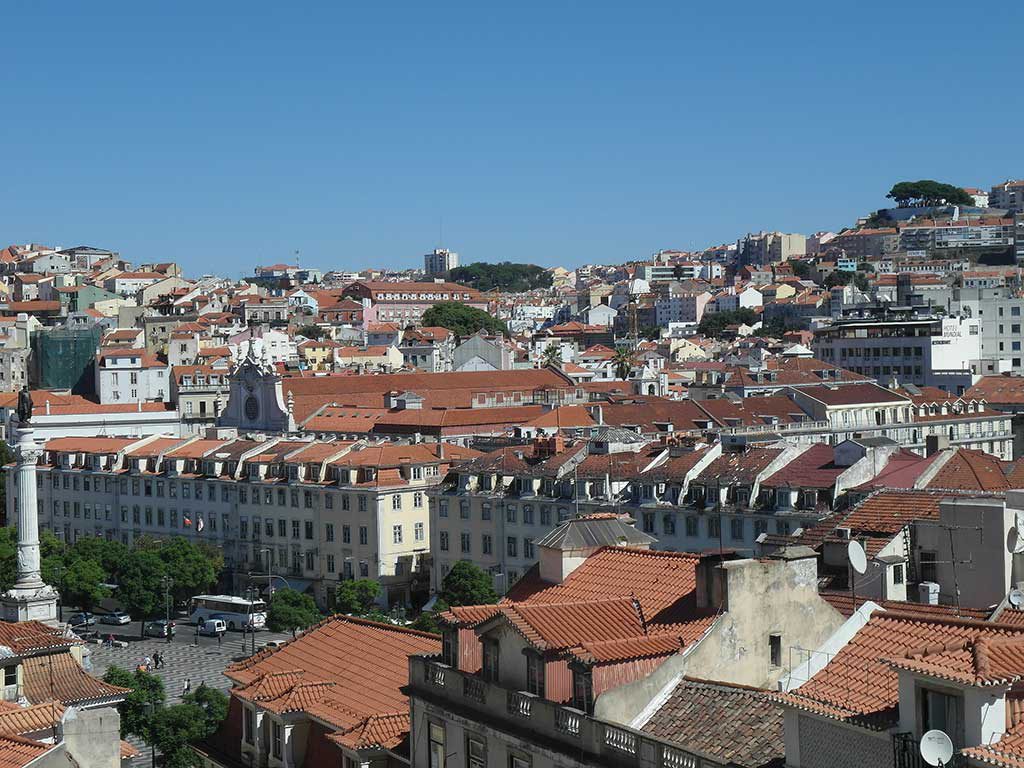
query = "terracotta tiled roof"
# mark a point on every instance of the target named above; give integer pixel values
(901, 471)
(814, 468)
(38, 717)
(366, 662)
(890, 511)
(854, 394)
(60, 676)
(971, 470)
(739, 467)
(16, 751)
(734, 724)
(859, 686)
(978, 661)
(638, 647)
(998, 390)
(557, 626)
(843, 602)
(24, 637)
(381, 731)
(128, 751)
(663, 582)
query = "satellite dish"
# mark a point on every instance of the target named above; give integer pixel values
(936, 748)
(1014, 542)
(858, 560)
(1016, 598)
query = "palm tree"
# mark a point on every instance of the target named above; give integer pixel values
(624, 359)
(551, 355)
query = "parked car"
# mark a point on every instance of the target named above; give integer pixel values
(81, 619)
(158, 628)
(213, 627)
(271, 645)
(116, 617)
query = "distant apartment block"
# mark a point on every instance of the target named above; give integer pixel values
(440, 262)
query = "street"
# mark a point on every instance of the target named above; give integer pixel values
(186, 657)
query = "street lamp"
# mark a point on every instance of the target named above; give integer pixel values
(167, 582)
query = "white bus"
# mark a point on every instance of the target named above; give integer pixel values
(237, 612)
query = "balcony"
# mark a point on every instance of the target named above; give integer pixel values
(558, 727)
(907, 753)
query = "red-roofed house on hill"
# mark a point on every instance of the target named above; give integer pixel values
(128, 375)
(586, 648)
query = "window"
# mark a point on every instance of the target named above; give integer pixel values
(329, 532)
(775, 650)
(583, 691)
(308, 530)
(417, 500)
(418, 531)
(897, 573)
(464, 510)
(513, 546)
(527, 514)
(396, 501)
(486, 544)
(396, 534)
(736, 528)
(295, 529)
(490, 661)
(464, 543)
(249, 726)
(11, 675)
(442, 508)
(668, 524)
(346, 534)
(692, 526)
(518, 761)
(510, 513)
(928, 571)
(436, 756)
(443, 541)
(535, 674)
(943, 712)
(714, 527)
(476, 753)
(648, 522)
(363, 536)
(276, 730)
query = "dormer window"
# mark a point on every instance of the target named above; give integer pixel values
(944, 711)
(583, 691)
(449, 647)
(293, 472)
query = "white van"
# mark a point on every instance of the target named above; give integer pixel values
(213, 627)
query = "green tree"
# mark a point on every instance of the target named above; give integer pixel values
(193, 570)
(552, 355)
(713, 323)
(291, 610)
(6, 457)
(109, 554)
(801, 268)
(177, 727)
(140, 583)
(466, 584)
(624, 360)
(427, 621)
(82, 584)
(146, 689)
(8, 557)
(356, 597)
(504, 276)
(462, 320)
(928, 193)
(311, 331)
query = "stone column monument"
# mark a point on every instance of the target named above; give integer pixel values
(30, 597)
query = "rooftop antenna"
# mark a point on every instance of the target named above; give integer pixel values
(858, 564)
(936, 748)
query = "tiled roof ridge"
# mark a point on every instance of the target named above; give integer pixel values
(738, 687)
(658, 553)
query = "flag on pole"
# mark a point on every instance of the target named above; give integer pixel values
(187, 521)
(199, 525)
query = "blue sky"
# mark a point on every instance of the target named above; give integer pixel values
(224, 134)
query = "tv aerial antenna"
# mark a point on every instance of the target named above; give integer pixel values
(936, 748)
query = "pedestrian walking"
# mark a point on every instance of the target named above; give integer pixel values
(158, 660)
(147, 663)
(187, 688)
(220, 636)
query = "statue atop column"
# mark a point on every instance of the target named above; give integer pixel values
(30, 597)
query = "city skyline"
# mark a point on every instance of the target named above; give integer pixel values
(356, 136)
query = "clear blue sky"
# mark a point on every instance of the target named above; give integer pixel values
(222, 134)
